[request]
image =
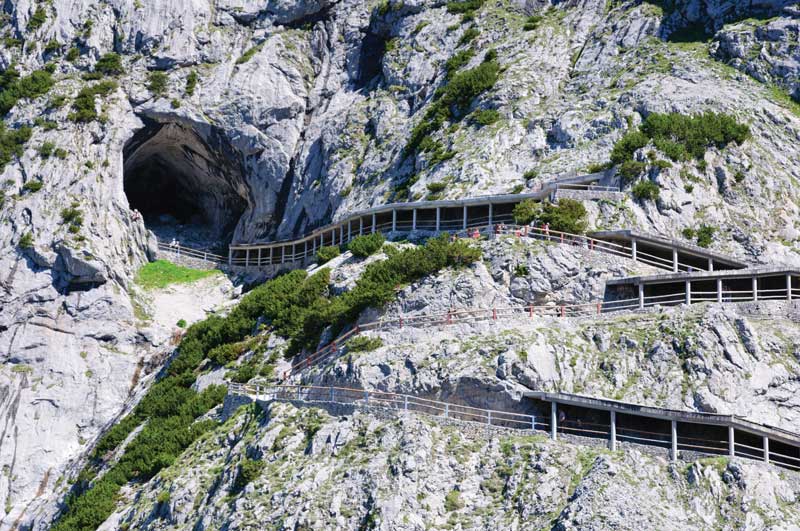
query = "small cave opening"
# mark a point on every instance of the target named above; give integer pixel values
(187, 187)
(370, 60)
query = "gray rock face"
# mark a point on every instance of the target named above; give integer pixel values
(299, 112)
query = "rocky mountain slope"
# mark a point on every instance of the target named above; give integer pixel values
(235, 120)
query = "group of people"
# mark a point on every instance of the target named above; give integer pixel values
(500, 228)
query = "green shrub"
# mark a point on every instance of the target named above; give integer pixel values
(436, 187)
(688, 233)
(458, 61)
(645, 190)
(521, 270)
(157, 83)
(38, 19)
(456, 96)
(26, 241)
(364, 344)
(181, 323)
(530, 174)
(705, 235)
(599, 167)
(464, 6)
(32, 186)
(468, 36)
(567, 215)
(14, 88)
(12, 143)
(688, 188)
(626, 146)
(46, 149)
(72, 217)
(52, 46)
(84, 105)
(532, 22)
(485, 117)
(366, 245)
(452, 501)
(738, 176)
(191, 82)
(327, 253)
(73, 54)
(249, 469)
(109, 64)
(630, 170)
(527, 211)
(244, 372)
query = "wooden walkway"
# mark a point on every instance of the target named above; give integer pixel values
(687, 431)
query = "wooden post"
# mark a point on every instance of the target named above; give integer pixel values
(673, 454)
(731, 442)
(612, 435)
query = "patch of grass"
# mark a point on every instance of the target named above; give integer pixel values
(13, 87)
(38, 19)
(26, 241)
(246, 56)
(191, 82)
(162, 273)
(484, 117)
(452, 501)
(109, 64)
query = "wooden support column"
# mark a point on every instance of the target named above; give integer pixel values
(464, 225)
(394, 220)
(641, 296)
(755, 288)
(766, 449)
(438, 218)
(719, 290)
(674, 260)
(673, 452)
(553, 420)
(688, 292)
(633, 248)
(731, 442)
(612, 435)
(414, 219)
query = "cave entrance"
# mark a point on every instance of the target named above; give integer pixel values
(187, 187)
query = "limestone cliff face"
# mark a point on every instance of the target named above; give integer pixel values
(278, 116)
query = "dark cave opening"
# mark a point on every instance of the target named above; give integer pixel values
(186, 186)
(370, 60)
